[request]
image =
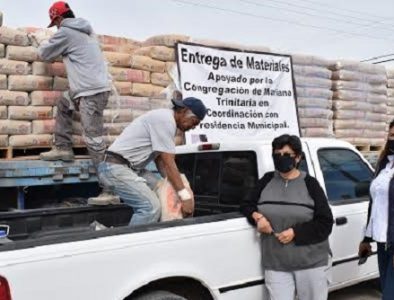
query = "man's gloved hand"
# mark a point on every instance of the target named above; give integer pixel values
(187, 202)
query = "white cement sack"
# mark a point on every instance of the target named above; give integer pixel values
(3, 140)
(14, 67)
(2, 50)
(390, 83)
(312, 71)
(351, 105)
(315, 123)
(14, 98)
(131, 75)
(168, 40)
(364, 133)
(160, 103)
(3, 112)
(308, 92)
(357, 66)
(60, 84)
(309, 60)
(359, 124)
(147, 90)
(43, 126)
(29, 83)
(15, 127)
(315, 113)
(302, 81)
(358, 76)
(390, 73)
(375, 117)
(10, 36)
(140, 103)
(117, 59)
(148, 64)
(349, 114)
(29, 112)
(118, 115)
(389, 102)
(316, 132)
(31, 140)
(390, 110)
(3, 82)
(359, 86)
(161, 79)
(314, 103)
(28, 54)
(123, 87)
(171, 205)
(45, 98)
(161, 53)
(348, 95)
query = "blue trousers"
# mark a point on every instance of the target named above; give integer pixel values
(386, 270)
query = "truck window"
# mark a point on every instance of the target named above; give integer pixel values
(346, 176)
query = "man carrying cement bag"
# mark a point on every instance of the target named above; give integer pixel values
(150, 137)
(89, 88)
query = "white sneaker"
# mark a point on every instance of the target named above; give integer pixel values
(104, 199)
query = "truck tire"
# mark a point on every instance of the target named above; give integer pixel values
(159, 295)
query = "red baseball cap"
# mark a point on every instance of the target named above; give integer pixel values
(56, 10)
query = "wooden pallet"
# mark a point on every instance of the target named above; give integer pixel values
(369, 148)
(34, 152)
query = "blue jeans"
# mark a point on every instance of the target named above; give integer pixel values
(134, 189)
(386, 270)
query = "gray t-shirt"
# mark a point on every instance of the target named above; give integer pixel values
(147, 136)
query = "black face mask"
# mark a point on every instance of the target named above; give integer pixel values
(285, 163)
(390, 143)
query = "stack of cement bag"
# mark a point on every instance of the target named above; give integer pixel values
(359, 102)
(390, 95)
(313, 84)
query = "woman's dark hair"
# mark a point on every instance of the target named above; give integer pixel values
(385, 152)
(292, 141)
(68, 14)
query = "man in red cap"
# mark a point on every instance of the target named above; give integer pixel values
(89, 88)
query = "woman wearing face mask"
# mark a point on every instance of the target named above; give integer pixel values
(290, 210)
(380, 224)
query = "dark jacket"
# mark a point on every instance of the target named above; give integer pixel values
(311, 232)
(390, 230)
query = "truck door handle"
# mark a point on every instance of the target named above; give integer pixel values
(341, 221)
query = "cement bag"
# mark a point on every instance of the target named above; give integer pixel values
(13, 67)
(14, 98)
(114, 128)
(49, 69)
(127, 48)
(351, 124)
(31, 140)
(390, 110)
(351, 65)
(29, 83)
(117, 59)
(141, 103)
(314, 103)
(309, 60)
(43, 126)
(315, 123)
(148, 64)
(348, 95)
(168, 40)
(351, 105)
(160, 103)
(312, 71)
(161, 53)
(389, 102)
(29, 112)
(3, 112)
(349, 114)
(109, 48)
(375, 117)
(390, 83)
(118, 115)
(2, 50)
(3, 82)
(3, 140)
(171, 205)
(60, 84)
(358, 76)
(28, 54)
(302, 81)
(316, 132)
(308, 92)
(161, 79)
(45, 98)
(315, 113)
(146, 90)
(345, 133)
(10, 36)
(123, 87)
(390, 92)
(359, 86)
(78, 140)
(390, 73)
(127, 74)
(15, 127)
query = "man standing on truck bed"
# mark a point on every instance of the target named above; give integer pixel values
(89, 88)
(150, 137)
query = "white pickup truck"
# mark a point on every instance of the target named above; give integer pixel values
(214, 255)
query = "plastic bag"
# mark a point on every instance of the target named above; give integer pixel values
(171, 205)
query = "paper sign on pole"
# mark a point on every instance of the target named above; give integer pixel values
(249, 96)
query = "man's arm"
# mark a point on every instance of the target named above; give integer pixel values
(167, 163)
(56, 46)
(160, 166)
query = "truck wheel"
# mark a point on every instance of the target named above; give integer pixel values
(159, 295)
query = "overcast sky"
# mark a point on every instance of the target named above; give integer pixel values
(353, 29)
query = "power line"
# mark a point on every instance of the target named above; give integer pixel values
(280, 20)
(383, 61)
(377, 57)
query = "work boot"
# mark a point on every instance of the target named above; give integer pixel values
(104, 198)
(58, 154)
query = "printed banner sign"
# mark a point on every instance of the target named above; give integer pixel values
(249, 96)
